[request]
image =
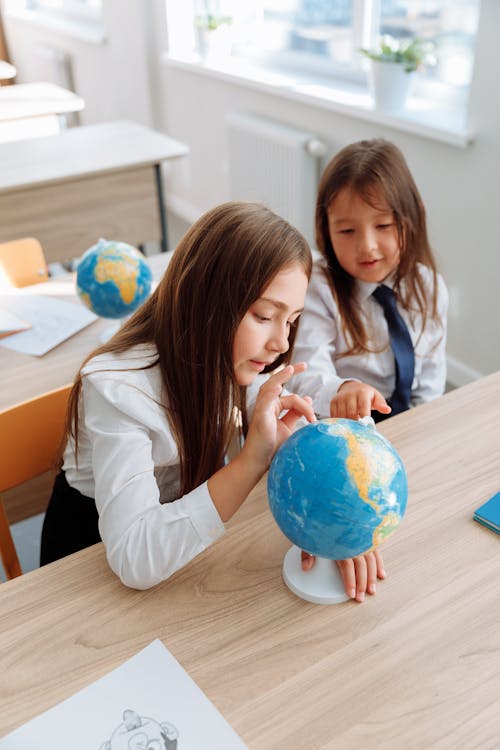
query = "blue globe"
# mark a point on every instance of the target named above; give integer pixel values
(113, 279)
(337, 488)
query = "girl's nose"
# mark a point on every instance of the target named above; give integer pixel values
(279, 342)
(367, 241)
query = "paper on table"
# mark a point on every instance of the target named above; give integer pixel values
(52, 321)
(10, 324)
(157, 701)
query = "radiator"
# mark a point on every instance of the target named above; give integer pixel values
(55, 66)
(276, 165)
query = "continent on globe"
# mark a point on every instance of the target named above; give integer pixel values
(113, 279)
(337, 488)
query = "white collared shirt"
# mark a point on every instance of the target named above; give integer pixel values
(320, 342)
(128, 461)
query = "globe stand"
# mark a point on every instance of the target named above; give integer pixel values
(321, 585)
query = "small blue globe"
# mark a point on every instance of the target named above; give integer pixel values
(113, 279)
(337, 488)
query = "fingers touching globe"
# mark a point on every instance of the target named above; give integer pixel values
(359, 574)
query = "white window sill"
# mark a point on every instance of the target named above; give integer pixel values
(91, 32)
(347, 99)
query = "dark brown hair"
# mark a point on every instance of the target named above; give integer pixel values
(373, 168)
(219, 269)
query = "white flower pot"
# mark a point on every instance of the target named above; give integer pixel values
(390, 85)
(215, 44)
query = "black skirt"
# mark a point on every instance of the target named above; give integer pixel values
(70, 522)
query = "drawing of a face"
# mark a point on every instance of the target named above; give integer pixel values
(140, 733)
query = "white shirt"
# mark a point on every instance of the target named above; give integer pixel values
(128, 461)
(320, 342)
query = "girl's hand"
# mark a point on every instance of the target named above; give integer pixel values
(354, 400)
(359, 574)
(267, 431)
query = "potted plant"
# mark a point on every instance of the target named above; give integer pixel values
(392, 69)
(213, 33)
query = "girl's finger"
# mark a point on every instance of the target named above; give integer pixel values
(283, 375)
(340, 408)
(352, 408)
(296, 407)
(360, 568)
(380, 404)
(380, 564)
(348, 574)
(364, 404)
(307, 560)
(371, 573)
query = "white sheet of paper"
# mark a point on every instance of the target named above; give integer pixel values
(154, 686)
(10, 322)
(52, 322)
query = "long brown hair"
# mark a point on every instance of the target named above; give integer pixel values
(372, 168)
(219, 269)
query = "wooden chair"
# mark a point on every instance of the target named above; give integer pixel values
(30, 439)
(22, 262)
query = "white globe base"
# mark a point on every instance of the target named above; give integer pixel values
(321, 585)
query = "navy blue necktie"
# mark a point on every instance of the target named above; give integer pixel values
(401, 346)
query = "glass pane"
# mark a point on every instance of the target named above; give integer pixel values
(312, 29)
(450, 25)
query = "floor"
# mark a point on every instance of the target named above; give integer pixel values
(26, 535)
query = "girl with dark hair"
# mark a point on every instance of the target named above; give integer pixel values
(152, 412)
(373, 332)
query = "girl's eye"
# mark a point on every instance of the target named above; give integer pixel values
(384, 226)
(346, 231)
(262, 318)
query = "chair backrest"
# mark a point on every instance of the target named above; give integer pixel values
(30, 439)
(22, 262)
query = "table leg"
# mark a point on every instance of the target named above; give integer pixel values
(161, 209)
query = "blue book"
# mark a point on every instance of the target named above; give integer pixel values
(488, 514)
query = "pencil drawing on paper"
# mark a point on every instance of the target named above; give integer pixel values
(141, 733)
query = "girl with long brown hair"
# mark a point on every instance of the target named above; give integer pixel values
(374, 327)
(152, 412)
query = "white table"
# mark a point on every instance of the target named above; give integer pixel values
(33, 110)
(26, 100)
(70, 189)
(7, 71)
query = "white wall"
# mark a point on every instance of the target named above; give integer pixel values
(113, 76)
(124, 78)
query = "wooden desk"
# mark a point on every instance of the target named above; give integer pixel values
(23, 376)
(417, 666)
(67, 190)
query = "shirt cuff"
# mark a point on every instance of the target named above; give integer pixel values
(199, 507)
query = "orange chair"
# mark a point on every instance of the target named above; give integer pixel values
(22, 262)
(30, 439)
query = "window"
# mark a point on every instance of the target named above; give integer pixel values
(86, 10)
(327, 35)
(324, 36)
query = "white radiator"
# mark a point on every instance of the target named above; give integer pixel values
(276, 165)
(55, 66)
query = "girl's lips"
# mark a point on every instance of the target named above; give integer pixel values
(259, 366)
(369, 262)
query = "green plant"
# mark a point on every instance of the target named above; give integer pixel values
(414, 53)
(211, 21)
